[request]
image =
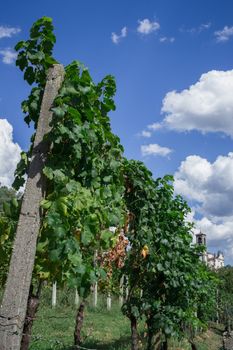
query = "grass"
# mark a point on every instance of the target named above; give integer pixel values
(102, 330)
(210, 340)
(54, 330)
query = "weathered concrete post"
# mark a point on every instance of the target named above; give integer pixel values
(54, 294)
(121, 295)
(76, 298)
(109, 301)
(95, 286)
(14, 304)
(95, 294)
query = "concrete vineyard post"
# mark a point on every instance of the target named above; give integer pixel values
(109, 301)
(14, 304)
(95, 286)
(121, 295)
(54, 294)
(76, 298)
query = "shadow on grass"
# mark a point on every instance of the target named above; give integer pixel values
(120, 344)
(217, 331)
(123, 343)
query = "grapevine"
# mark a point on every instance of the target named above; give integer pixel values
(91, 187)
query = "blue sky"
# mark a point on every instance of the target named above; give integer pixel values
(172, 60)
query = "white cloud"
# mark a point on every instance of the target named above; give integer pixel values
(146, 26)
(206, 106)
(204, 26)
(146, 133)
(7, 32)
(8, 55)
(224, 34)
(196, 30)
(166, 39)
(192, 172)
(9, 153)
(209, 187)
(155, 150)
(154, 126)
(124, 32)
(216, 231)
(210, 184)
(150, 129)
(117, 38)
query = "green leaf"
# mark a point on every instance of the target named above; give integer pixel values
(15, 203)
(41, 246)
(68, 90)
(113, 219)
(53, 219)
(160, 267)
(21, 61)
(38, 56)
(61, 231)
(103, 274)
(76, 260)
(59, 111)
(46, 204)
(86, 235)
(27, 120)
(77, 150)
(84, 90)
(50, 60)
(74, 113)
(20, 45)
(18, 182)
(7, 208)
(63, 207)
(107, 178)
(93, 277)
(73, 186)
(59, 176)
(81, 269)
(54, 255)
(135, 311)
(106, 235)
(48, 172)
(168, 330)
(29, 75)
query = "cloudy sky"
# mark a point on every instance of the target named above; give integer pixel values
(173, 64)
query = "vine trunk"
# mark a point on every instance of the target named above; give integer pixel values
(134, 333)
(32, 307)
(79, 324)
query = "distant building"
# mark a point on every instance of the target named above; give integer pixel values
(214, 261)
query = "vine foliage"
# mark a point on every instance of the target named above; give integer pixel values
(85, 188)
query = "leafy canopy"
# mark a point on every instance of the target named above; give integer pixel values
(85, 188)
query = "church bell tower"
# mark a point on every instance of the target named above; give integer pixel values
(201, 238)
